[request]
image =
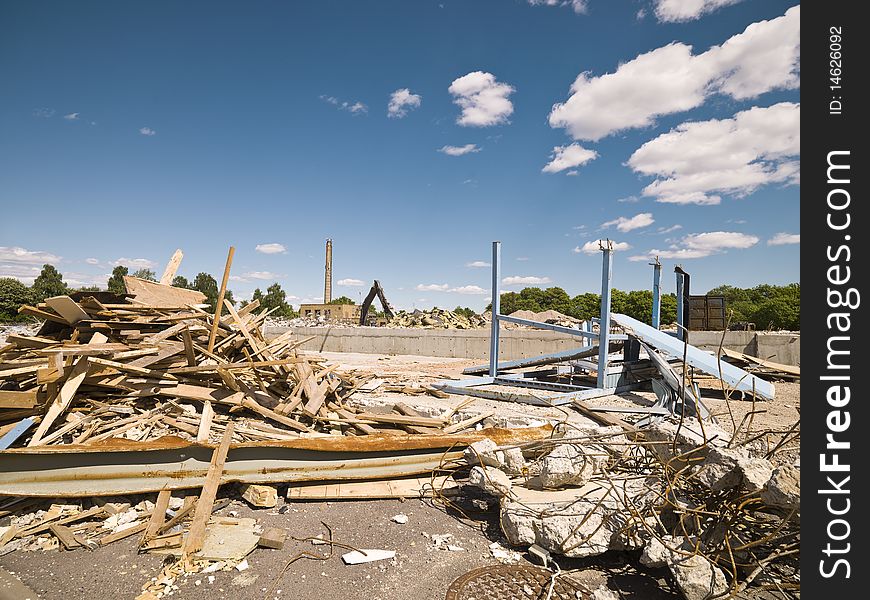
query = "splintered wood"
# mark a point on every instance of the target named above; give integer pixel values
(103, 366)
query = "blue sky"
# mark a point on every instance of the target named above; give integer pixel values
(130, 129)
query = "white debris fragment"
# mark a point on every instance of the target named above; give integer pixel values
(400, 518)
(356, 557)
(503, 555)
(243, 566)
(490, 480)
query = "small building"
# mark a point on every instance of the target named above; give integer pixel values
(341, 313)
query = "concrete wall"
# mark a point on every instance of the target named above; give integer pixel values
(514, 343)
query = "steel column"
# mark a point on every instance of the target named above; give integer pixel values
(496, 308)
(681, 317)
(657, 293)
(604, 319)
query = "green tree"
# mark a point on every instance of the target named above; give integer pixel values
(48, 283)
(341, 300)
(275, 298)
(207, 284)
(89, 288)
(13, 294)
(146, 274)
(180, 281)
(116, 281)
(466, 312)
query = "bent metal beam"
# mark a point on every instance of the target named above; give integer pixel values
(122, 467)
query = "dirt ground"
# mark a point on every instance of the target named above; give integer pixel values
(419, 571)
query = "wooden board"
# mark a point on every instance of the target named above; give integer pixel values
(171, 268)
(360, 490)
(155, 294)
(67, 308)
(9, 399)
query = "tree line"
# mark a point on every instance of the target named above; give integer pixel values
(766, 306)
(49, 282)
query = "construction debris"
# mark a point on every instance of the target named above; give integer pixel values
(436, 318)
(260, 496)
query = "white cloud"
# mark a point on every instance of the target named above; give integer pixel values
(273, 248)
(675, 11)
(19, 271)
(44, 113)
(567, 157)
(147, 131)
(629, 199)
(265, 275)
(72, 117)
(478, 264)
(670, 229)
(781, 239)
(594, 247)
(580, 6)
(470, 290)
(459, 150)
(239, 278)
(351, 282)
(74, 279)
(17, 254)
(401, 101)
(356, 108)
(431, 287)
(525, 280)
(484, 101)
(135, 263)
(700, 245)
(696, 161)
(572, 173)
(671, 79)
(625, 224)
(92, 261)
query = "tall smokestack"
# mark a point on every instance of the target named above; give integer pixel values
(327, 285)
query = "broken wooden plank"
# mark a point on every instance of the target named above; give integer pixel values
(67, 308)
(158, 516)
(417, 487)
(196, 534)
(205, 422)
(64, 535)
(171, 268)
(153, 294)
(219, 305)
(12, 399)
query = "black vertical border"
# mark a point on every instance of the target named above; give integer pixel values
(823, 131)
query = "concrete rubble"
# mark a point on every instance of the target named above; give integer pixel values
(436, 318)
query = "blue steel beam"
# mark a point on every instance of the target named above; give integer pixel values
(681, 317)
(735, 377)
(550, 326)
(604, 319)
(657, 293)
(536, 361)
(496, 308)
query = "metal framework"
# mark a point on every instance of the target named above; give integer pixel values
(612, 376)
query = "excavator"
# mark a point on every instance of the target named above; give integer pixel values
(377, 290)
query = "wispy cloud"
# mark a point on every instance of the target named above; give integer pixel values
(525, 280)
(459, 150)
(263, 275)
(701, 245)
(72, 117)
(625, 224)
(469, 290)
(677, 11)
(92, 261)
(483, 100)
(355, 108)
(17, 254)
(401, 102)
(478, 264)
(147, 131)
(629, 199)
(350, 282)
(672, 79)
(695, 162)
(272, 248)
(781, 239)
(134, 263)
(431, 287)
(670, 229)
(594, 247)
(568, 157)
(580, 6)
(44, 113)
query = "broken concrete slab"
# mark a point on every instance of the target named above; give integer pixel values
(490, 480)
(698, 578)
(658, 553)
(728, 468)
(571, 464)
(670, 440)
(783, 489)
(579, 522)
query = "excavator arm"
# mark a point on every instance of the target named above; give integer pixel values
(378, 291)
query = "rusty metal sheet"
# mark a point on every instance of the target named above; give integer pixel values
(124, 467)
